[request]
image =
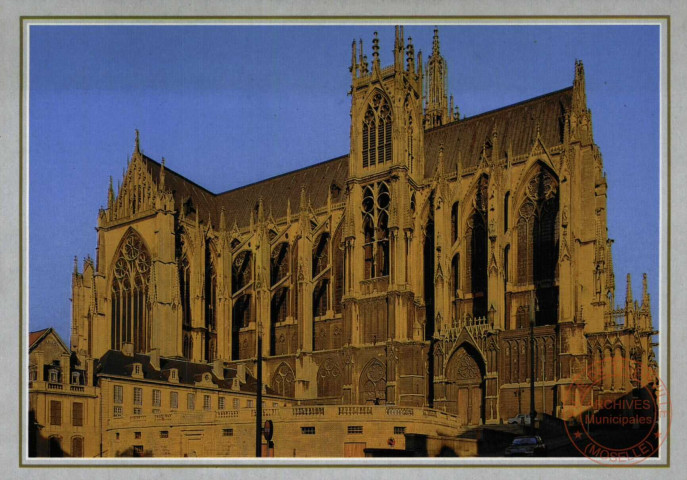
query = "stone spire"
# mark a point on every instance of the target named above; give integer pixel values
(579, 89)
(436, 108)
(222, 220)
(354, 61)
(646, 299)
(398, 49)
(110, 195)
(76, 265)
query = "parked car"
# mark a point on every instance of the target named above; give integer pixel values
(520, 419)
(527, 446)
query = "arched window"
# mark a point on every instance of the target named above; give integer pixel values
(476, 246)
(241, 271)
(377, 132)
(320, 254)
(279, 306)
(320, 297)
(454, 223)
(538, 230)
(130, 311)
(283, 380)
(185, 290)
(279, 263)
(376, 200)
(241, 313)
(455, 275)
(329, 379)
(187, 348)
(506, 204)
(210, 305)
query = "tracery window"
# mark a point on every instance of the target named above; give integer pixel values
(476, 250)
(279, 307)
(320, 254)
(210, 306)
(454, 223)
(130, 310)
(241, 272)
(329, 379)
(538, 230)
(283, 380)
(242, 311)
(376, 200)
(279, 263)
(377, 132)
(320, 297)
(185, 290)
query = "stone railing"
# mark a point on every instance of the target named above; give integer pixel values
(324, 413)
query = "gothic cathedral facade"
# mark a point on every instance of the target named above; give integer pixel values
(406, 272)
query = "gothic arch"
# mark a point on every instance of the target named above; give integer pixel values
(329, 379)
(130, 305)
(373, 383)
(284, 380)
(376, 129)
(464, 372)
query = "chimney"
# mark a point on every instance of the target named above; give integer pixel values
(128, 349)
(218, 368)
(241, 372)
(154, 355)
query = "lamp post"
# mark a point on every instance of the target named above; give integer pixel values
(258, 407)
(533, 411)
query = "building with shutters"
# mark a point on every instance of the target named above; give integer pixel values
(404, 273)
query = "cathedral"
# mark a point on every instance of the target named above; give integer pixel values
(405, 274)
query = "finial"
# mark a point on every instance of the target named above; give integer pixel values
(162, 174)
(375, 51)
(110, 194)
(138, 142)
(645, 292)
(261, 211)
(76, 265)
(354, 61)
(288, 211)
(440, 166)
(628, 294)
(222, 220)
(304, 203)
(435, 42)
(410, 56)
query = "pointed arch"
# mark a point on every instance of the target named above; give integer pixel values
(130, 308)
(210, 302)
(283, 380)
(376, 130)
(537, 236)
(465, 370)
(373, 383)
(329, 379)
(477, 247)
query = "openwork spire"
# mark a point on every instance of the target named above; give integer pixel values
(437, 111)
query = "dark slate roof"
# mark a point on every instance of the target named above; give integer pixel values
(516, 126)
(114, 362)
(240, 202)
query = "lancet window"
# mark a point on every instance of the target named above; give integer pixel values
(210, 306)
(130, 309)
(377, 132)
(376, 200)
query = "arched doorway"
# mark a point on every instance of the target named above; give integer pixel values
(465, 389)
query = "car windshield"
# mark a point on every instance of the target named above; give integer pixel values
(525, 441)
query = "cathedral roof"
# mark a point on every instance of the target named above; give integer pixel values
(516, 126)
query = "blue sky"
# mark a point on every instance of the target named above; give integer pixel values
(230, 105)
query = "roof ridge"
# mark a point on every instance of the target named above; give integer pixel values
(306, 167)
(500, 109)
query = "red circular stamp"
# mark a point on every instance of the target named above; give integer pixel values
(624, 416)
